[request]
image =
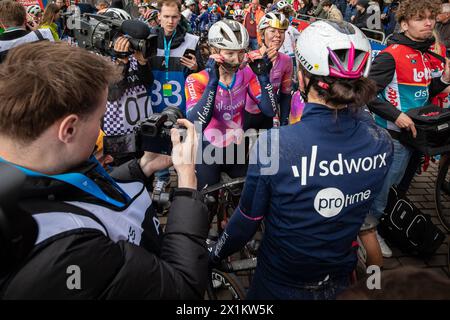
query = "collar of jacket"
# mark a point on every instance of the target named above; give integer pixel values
(400, 38)
(332, 120)
(177, 40)
(42, 187)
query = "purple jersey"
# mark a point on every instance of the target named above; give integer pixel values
(280, 78)
(226, 123)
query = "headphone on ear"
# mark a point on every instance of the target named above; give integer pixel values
(18, 229)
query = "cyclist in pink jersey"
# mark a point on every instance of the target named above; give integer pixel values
(216, 98)
(298, 100)
(225, 125)
(272, 28)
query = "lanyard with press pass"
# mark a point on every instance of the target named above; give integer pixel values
(167, 87)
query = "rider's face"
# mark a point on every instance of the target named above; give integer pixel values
(420, 27)
(142, 10)
(232, 60)
(233, 56)
(274, 37)
(153, 23)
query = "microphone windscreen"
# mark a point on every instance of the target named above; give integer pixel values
(135, 29)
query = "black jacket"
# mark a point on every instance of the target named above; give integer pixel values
(383, 70)
(361, 19)
(117, 270)
(142, 75)
(176, 42)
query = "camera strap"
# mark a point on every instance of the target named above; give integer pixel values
(83, 182)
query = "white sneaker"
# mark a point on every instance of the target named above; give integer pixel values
(385, 250)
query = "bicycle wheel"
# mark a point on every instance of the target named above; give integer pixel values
(442, 193)
(225, 286)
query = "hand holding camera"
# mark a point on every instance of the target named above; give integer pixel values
(122, 49)
(184, 154)
(153, 162)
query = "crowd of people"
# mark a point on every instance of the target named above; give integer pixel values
(327, 119)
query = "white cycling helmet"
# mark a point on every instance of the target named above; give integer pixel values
(117, 13)
(238, 13)
(228, 34)
(204, 3)
(283, 5)
(335, 49)
(34, 10)
(189, 3)
(275, 20)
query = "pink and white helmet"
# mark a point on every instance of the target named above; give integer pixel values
(335, 49)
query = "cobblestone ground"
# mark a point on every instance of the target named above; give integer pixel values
(421, 193)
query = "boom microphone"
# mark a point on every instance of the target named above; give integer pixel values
(135, 29)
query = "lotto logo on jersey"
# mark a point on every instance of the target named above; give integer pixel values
(418, 76)
(329, 202)
(392, 96)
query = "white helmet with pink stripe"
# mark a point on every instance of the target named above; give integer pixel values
(335, 49)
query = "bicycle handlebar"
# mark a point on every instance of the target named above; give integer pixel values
(237, 265)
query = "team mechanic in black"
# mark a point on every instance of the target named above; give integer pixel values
(103, 225)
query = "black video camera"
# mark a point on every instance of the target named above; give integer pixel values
(98, 33)
(151, 134)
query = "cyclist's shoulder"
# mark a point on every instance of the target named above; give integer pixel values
(368, 127)
(284, 60)
(200, 78)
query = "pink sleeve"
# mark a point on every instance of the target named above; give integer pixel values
(286, 80)
(194, 87)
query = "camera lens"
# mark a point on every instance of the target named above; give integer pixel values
(173, 113)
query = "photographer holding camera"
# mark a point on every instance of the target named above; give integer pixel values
(128, 100)
(17, 30)
(99, 224)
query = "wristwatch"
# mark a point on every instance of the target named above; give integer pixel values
(186, 192)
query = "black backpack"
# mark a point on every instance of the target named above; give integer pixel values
(406, 227)
(433, 132)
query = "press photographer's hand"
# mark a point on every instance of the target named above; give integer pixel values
(184, 154)
(152, 162)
